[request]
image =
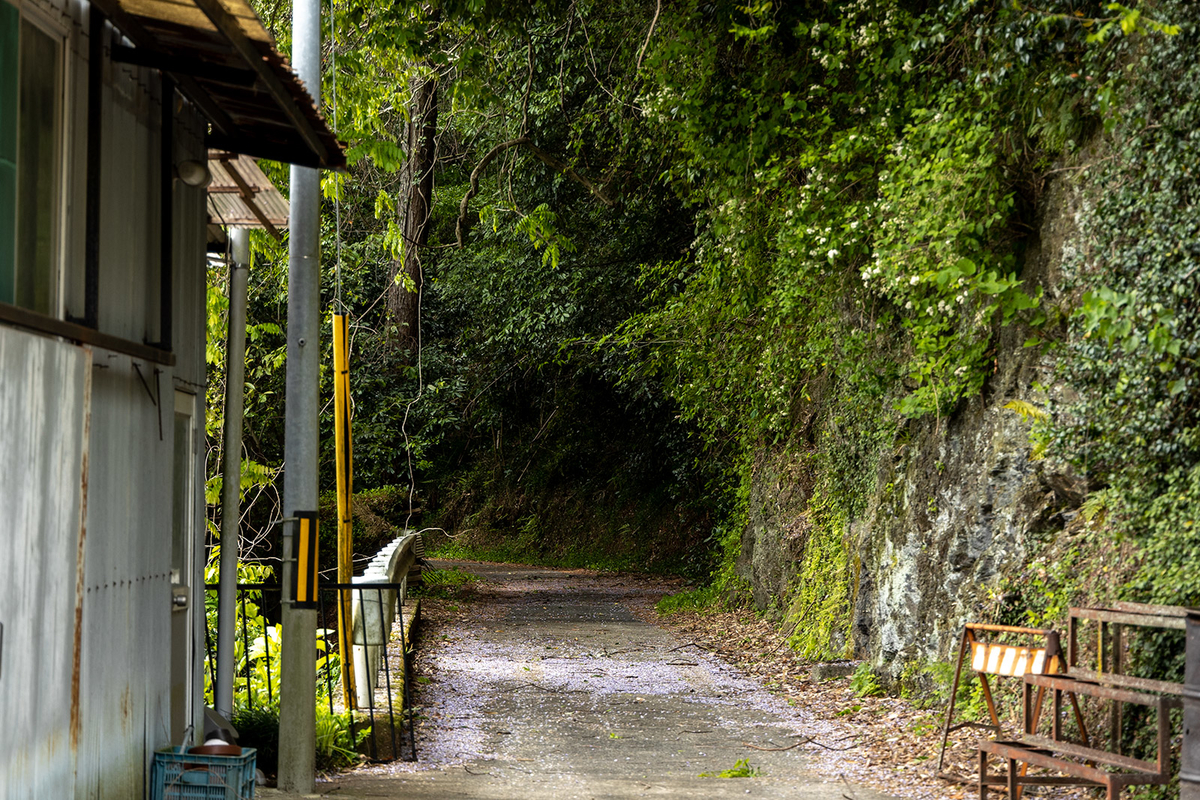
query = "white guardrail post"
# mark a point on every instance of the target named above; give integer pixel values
(374, 611)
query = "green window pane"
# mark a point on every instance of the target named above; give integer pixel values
(37, 169)
(10, 21)
(8, 232)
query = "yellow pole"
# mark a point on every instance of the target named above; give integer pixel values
(345, 487)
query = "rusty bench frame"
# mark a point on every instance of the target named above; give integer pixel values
(1051, 751)
(1105, 682)
(1110, 646)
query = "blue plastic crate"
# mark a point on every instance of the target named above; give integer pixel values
(189, 776)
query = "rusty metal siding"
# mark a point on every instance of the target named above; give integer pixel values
(125, 649)
(43, 406)
(124, 643)
(226, 204)
(119, 652)
(126, 611)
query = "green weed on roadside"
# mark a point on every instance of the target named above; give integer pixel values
(741, 769)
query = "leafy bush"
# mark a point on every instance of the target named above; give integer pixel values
(864, 682)
(259, 728)
(336, 747)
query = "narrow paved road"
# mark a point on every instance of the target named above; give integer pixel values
(552, 684)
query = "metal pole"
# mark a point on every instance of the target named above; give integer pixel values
(298, 656)
(231, 512)
(1189, 774)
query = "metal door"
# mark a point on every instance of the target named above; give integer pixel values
(183, 538)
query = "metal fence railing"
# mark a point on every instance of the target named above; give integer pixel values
(256, 682)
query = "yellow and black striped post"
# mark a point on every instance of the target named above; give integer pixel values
(305, 595)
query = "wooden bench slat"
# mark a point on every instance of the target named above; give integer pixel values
(1129, 618)
(1078, 684)
(1150, 608)
(1091, 754)
(1044, 780)
(1114, 679)
(1039, 758)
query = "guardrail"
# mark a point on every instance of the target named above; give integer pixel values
(377, 598)
(373, 613)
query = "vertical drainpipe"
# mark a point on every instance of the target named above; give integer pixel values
(235, 380)
(1189, 774)
(297, 696)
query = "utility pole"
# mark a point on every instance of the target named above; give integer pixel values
(235, 386)
(297, 691)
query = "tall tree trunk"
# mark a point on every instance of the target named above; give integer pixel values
(404, 294)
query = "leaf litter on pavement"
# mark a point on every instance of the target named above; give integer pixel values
(888, 743)
(896, 739)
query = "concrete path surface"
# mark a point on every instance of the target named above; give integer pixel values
(554, 684)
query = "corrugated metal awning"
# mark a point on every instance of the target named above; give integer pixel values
(226, 63)
(241, 196)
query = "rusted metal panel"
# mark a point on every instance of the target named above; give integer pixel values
(228, 203)
(125, 658)
(80, 557)
(86, 596)
(43, 407)
(126, 614)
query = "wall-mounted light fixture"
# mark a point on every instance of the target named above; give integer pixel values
(194, 173)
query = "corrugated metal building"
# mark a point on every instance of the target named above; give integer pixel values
(102, 325)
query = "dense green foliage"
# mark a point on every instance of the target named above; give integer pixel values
(1134, 340)
(670, 240)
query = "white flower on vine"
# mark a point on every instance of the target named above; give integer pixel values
(914, 280)
(832, 254)
(907, 66)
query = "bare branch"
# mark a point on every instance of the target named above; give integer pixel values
(570, 172)
(474, 190)
(552, 162)
(528, 86)
(649, 33)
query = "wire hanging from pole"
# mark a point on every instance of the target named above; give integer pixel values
(339, 305)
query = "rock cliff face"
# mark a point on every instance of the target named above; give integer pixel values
(954, 505)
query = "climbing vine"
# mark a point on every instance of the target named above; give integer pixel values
(1133, 425)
